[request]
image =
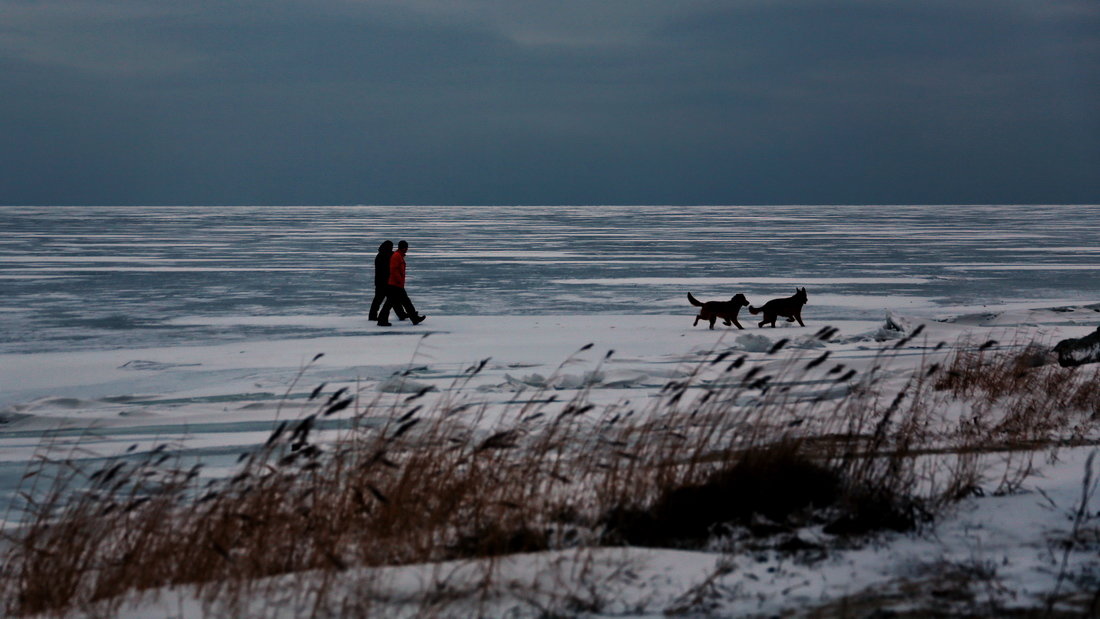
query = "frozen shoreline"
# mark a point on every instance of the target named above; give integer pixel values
(218, 401)
(200, 388)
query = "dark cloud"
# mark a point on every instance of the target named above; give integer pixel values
(613, 102)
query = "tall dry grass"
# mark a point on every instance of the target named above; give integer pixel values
(730, 443)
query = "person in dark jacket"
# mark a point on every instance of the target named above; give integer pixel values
(396, 295)
(382, 281)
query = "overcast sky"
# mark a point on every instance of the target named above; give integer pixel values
(549, 102)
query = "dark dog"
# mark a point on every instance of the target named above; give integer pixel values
(789, 308)
(713, 310)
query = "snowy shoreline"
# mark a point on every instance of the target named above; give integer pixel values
(216, 402)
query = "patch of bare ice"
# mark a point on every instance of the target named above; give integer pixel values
(403, 384)
(752, 342)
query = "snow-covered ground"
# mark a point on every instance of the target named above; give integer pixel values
(200, 328)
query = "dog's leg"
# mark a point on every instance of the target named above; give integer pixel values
(696, 320)
(738, 324)
(799, 317)
(712, 319)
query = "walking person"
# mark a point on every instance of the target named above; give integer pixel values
(382, 281)
(396, 295)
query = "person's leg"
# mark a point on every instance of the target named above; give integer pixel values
(410, 309)
(376, 303)
(384, 313)
(407, 304)
(395, 298)
(399, 310)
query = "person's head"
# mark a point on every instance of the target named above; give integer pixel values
(403, 246)
(386, 246)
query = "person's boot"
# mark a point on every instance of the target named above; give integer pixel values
(418, 319)
(384, 323)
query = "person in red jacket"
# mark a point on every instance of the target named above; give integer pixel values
(397, 296)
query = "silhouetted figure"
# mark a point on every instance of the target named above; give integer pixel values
(396, 295)
(382, 281)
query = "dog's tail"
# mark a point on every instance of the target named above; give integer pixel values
(694, 301)
(754, 310)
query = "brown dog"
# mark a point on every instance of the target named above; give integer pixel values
(789, 308)
(713, 310)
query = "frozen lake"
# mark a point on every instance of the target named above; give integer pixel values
(94, 278)
(196, 331)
